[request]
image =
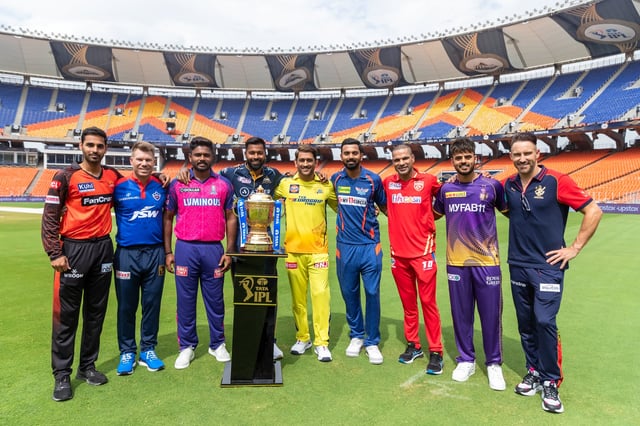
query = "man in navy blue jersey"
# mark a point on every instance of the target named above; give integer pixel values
(539, 200)
(139, 259)
(358, 250)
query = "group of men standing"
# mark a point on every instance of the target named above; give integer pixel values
(77, 222)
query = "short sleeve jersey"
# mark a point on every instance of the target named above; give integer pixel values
(77, 206)
(138, 210)
(469, 208)
(200, 207)
(356, 222)
(537, 225)
(306, 213)
(412, 228)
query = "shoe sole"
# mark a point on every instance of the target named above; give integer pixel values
(403, 361)
(553, 410)
(352, 354)
(434, 372)
(183, 366)
(128, 372)
(61, 399)
(375, 361)
(531, 392)
(303, 351)
(144, 364)
(462, 379)
(85, 379)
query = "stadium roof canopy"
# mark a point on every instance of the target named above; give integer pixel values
(573, 31)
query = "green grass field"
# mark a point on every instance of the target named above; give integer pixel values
(599, 323)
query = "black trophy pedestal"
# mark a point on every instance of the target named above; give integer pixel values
(255, 299)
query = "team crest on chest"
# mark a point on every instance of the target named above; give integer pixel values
(539, 191)
(418, 185)
(156, 196)
(294, 189)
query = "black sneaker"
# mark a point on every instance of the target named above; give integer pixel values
(550, 398)
(410, 354)
(435, 363)
(92, 376)
(62, 390)
(530, 384)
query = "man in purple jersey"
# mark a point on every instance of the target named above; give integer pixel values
(204, 210)
(473, 263)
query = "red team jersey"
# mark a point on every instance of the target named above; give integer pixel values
(412, 231)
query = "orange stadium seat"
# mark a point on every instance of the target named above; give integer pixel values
(14, 181)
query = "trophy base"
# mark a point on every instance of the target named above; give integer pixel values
(259, 248)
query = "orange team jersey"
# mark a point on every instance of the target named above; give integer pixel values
(77, 206)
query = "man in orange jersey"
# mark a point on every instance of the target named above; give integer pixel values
(76, 224)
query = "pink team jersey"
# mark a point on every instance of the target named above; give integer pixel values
(200, 208)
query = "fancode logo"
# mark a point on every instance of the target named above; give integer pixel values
(96, 199)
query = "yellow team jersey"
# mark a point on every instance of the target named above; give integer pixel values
(306, 215)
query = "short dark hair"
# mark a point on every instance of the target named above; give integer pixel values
(307, 148)
(524, 137)
(200, 141)
(254, 140)
(462, 145)
(402, 146)
(93, 131)
(351, 141)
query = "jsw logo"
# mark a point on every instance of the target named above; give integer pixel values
(145, 213)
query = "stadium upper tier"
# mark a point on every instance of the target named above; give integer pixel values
(599, 95)
(572, 30)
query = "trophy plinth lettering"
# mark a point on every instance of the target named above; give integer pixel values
(259, 208)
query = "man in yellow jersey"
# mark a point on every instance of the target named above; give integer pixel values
(306, 198)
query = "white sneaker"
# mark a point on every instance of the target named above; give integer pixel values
(353, 350)
(300, 347)
(277, 353)
(463, 371)
(221, 353)
(184, 358)
(496, 379)
(374, 354)
(324, 354)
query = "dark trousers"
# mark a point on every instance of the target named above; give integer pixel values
(85, 285)
(139, 278)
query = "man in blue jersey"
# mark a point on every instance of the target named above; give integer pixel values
(139, 259)
(539, 200)
(473, 263)
(358, 250)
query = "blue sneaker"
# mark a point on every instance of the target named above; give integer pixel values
(127, 362)
(150, 360)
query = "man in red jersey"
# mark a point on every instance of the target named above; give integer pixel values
(412, 236)
(76, 223)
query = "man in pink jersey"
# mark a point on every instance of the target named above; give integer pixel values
(204, 210)
(412, 236)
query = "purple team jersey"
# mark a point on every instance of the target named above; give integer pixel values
(200, 207)
(471, 220)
